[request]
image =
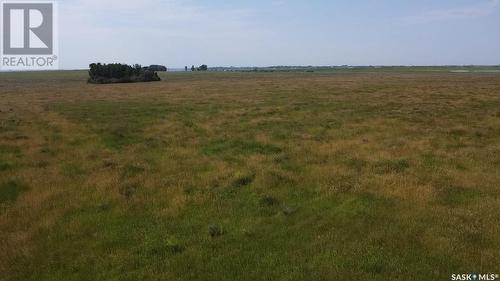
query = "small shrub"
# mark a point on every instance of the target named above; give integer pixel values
(243, 180)
(128, 191)
(215, 231)
(103, 207)
(268, 201)
(10, 191)
(109, 163)
(288, 211)
(4, 166)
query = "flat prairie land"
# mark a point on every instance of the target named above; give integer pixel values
(250, 176)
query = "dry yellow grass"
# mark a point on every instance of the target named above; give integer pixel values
(311, 176)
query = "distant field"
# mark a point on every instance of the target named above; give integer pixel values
(250, 176)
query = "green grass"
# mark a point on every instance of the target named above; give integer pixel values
(9, 191)
(118, 124)
(358, 174)
(239, 147)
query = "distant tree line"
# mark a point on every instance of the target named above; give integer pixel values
(120, 73)
(159, 68)
(202, 67)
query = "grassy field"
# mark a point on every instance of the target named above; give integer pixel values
(250, 176)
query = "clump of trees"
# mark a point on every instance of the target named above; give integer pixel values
(159, 68)
(202, 67)
(120, 73)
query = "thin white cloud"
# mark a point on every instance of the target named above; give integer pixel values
(481, 9)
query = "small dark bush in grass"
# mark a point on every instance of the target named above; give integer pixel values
(243, 180)
(103, 207)
(215, 231)
(120, 73)
(4, 166)
(107, 163)
(128, 191)
(288, 211)
(10, 191)
(268, 201)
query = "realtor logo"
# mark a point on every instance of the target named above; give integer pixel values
(29, 35)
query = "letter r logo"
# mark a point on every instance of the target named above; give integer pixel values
(28, 28)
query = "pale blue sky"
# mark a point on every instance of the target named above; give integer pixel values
(280, 32)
